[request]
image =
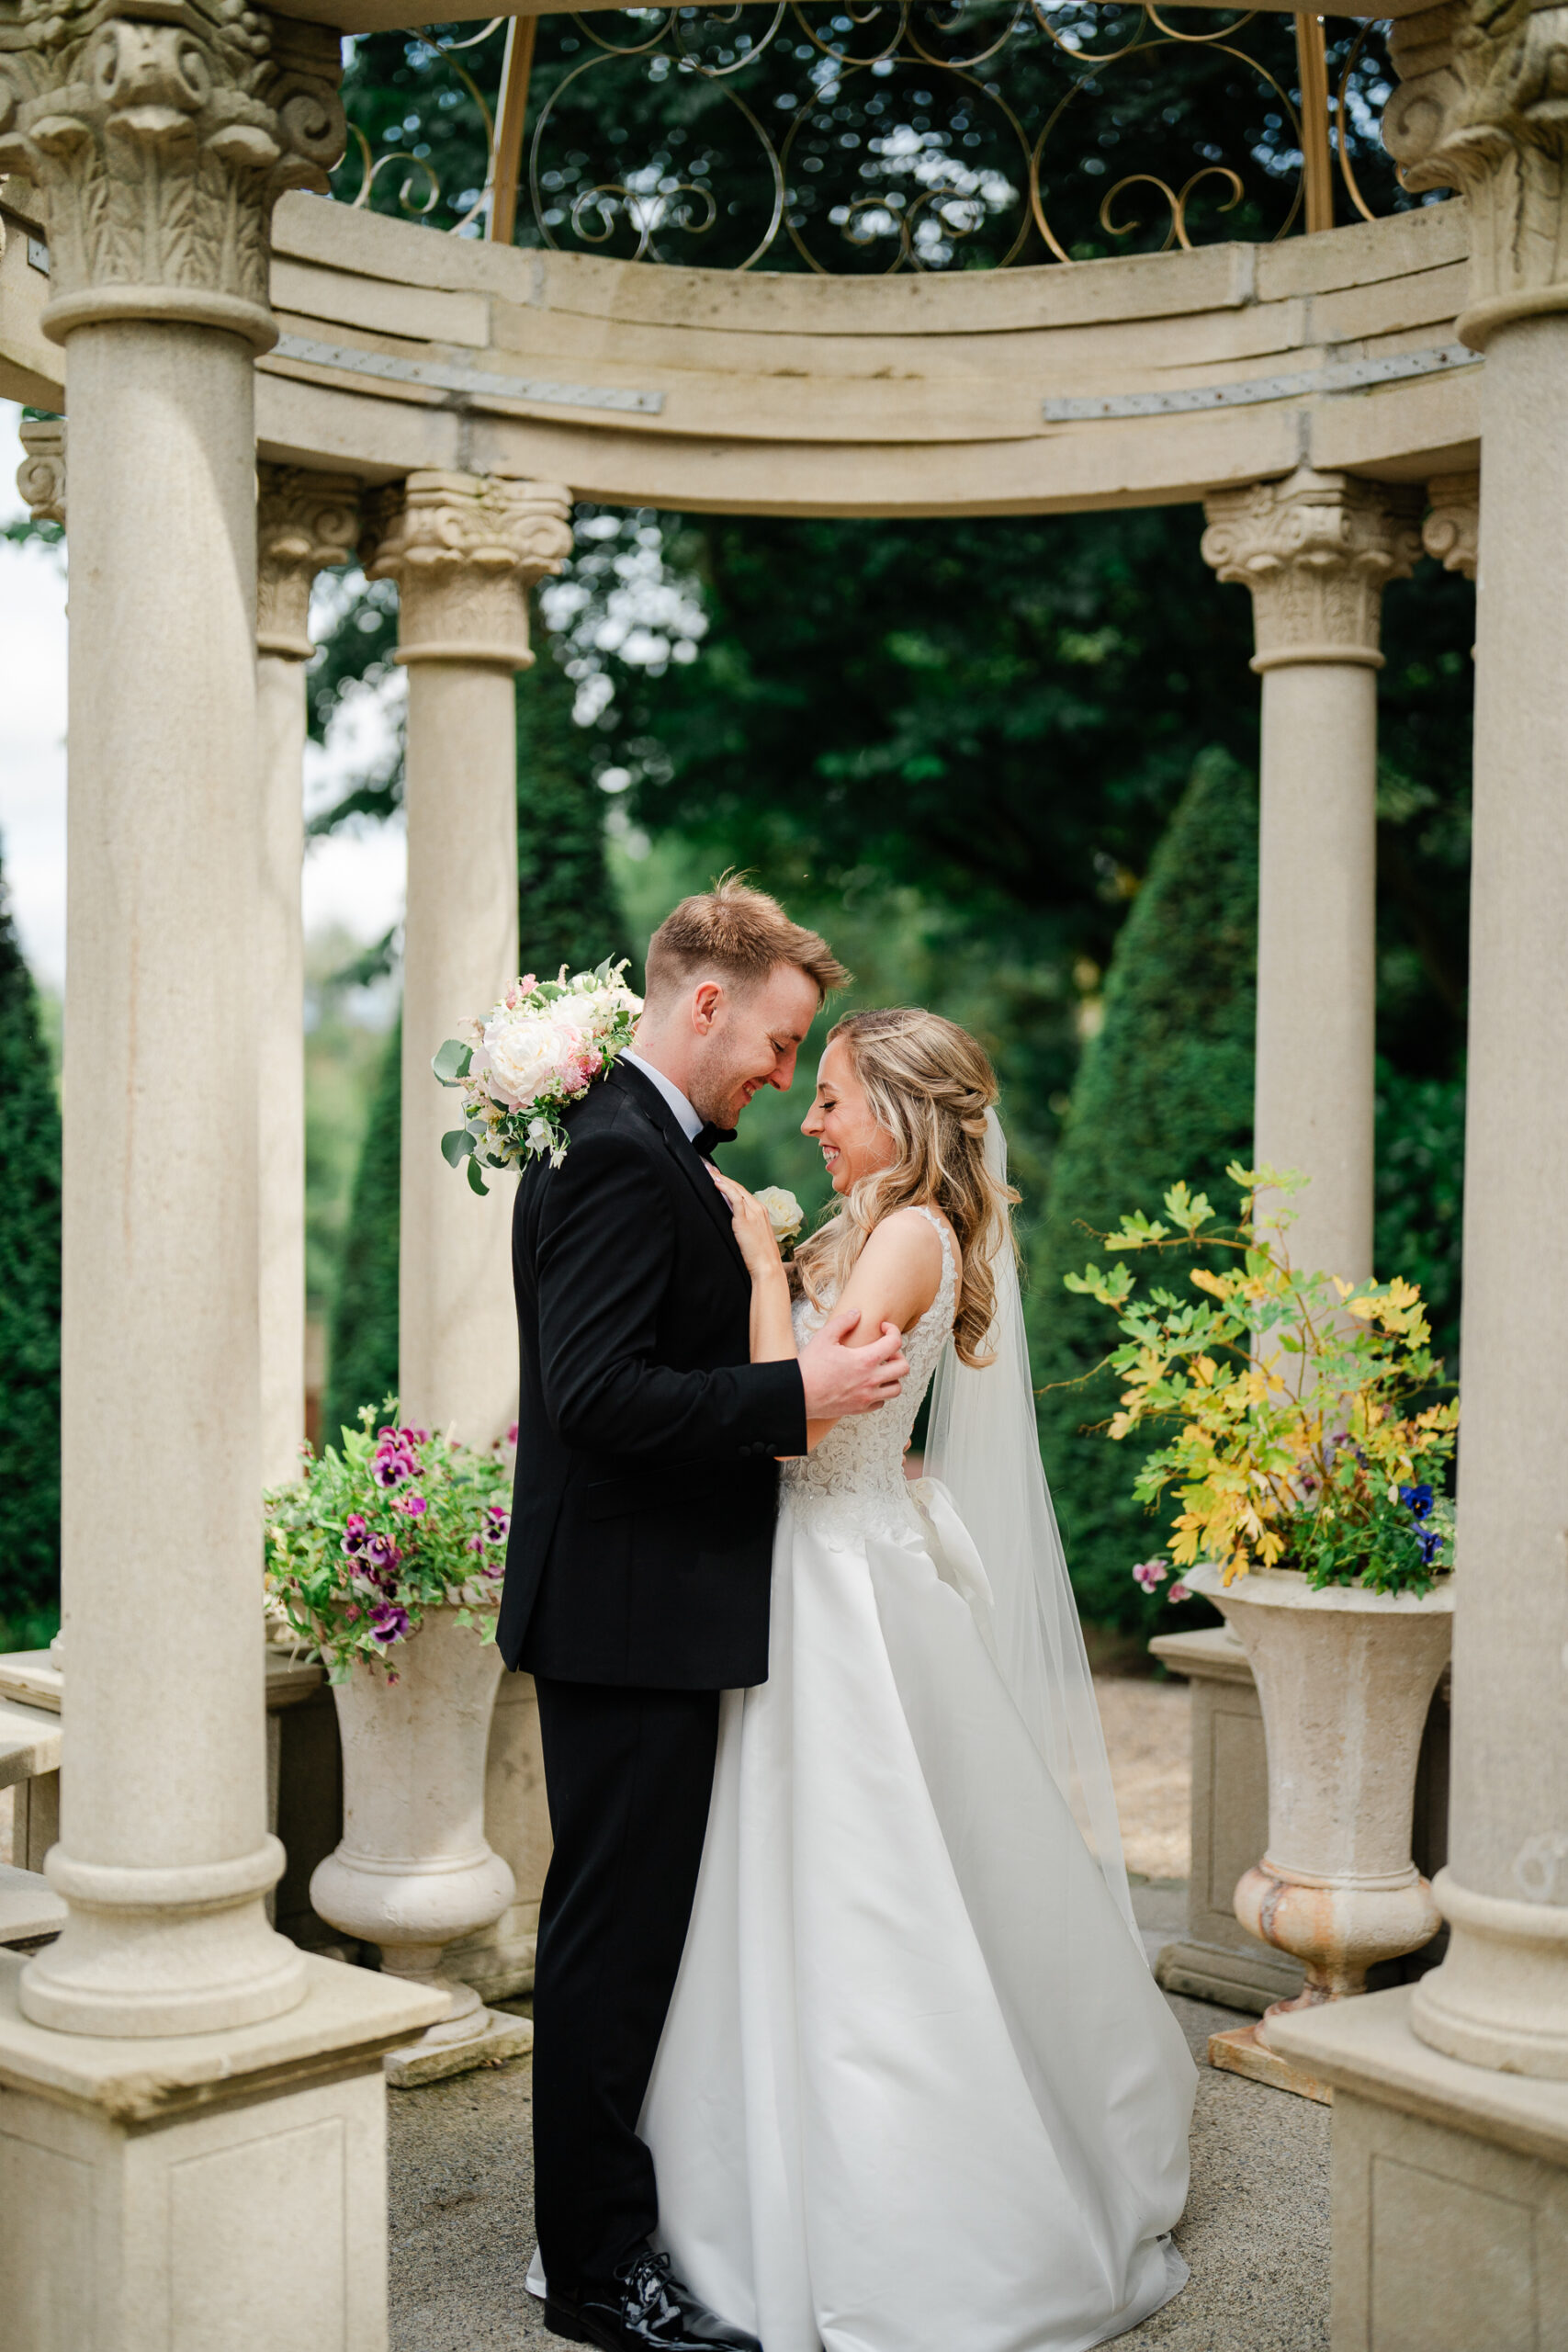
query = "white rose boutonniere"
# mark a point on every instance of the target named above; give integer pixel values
(783, 1212)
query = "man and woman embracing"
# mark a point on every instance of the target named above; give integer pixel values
(845, 2038)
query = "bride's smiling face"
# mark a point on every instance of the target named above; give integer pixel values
(841, 1120)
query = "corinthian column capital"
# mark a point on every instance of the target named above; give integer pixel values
(465, 549)
(304, 522)
(40, 477)
(1317, 552)
(1482, 106)
(159, 141)
(1452, 532)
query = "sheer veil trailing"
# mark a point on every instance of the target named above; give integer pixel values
(984, 1447)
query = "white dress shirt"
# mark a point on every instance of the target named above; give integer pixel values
(690, 1120)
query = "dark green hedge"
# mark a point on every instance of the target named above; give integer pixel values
(29, 1308)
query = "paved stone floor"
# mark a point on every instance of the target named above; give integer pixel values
(1256, 2232)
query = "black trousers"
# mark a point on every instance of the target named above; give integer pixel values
(629, 1775)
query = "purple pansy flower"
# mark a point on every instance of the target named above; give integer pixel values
(389, 1622)
(1150, 1573)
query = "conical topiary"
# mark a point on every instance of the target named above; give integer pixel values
(29, 1308)
(1164, 1092)
(362, 1343)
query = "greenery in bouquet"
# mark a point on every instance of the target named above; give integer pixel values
(371, 1536)
(1300, 1417)
(520, 1065)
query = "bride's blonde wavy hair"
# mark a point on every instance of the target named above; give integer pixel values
(928, 1086)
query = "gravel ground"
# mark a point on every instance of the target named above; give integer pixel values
(1255, 2232)
(1147, 1737)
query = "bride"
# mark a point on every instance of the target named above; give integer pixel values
(917, 2088)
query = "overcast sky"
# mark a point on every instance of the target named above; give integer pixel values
(354, 881)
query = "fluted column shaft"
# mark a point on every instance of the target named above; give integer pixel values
(1316, 551)
(464, 550)
(1481, 109)
(158, 149)
(304, 522)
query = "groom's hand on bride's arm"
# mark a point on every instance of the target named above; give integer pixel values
(841, 1380)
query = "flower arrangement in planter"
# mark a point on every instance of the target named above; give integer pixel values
(1301, 1432)
(397, 1523)
(1290, 1405)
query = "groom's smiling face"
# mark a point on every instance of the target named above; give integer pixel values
(747, 1038)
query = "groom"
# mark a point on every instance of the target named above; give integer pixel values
(638, 1572)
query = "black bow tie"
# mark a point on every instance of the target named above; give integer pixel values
(708, 1138)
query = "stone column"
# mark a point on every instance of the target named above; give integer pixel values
(1454, 2099)
(464, 550)
(1316, 551)
(304, 522)
(147, 2054)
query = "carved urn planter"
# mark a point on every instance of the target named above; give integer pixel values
(413, 1870)
(1345, 1679)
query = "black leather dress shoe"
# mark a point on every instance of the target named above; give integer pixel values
(646, 2309)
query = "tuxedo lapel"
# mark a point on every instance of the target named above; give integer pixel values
(656, 1110)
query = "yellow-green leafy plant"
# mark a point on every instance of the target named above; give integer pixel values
(1302, 1421)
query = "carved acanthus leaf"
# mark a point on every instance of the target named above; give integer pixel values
(1482, 106)
(304, 522)
(464, 550)
(1452, 532)
(158, 146)
(1317, 552)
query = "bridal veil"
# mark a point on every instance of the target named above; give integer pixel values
(983, 1445)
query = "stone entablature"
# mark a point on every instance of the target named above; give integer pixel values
(405, 352)
(159, 143)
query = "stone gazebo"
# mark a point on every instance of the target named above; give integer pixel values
(192, 2109)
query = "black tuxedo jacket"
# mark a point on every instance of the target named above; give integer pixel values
(642, 1521)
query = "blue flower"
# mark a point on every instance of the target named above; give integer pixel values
(1417, 1500)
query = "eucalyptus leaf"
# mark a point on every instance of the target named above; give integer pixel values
(456, 1146)
(476, 1181)
(453, 1062)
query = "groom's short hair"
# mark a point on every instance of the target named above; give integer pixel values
(741, 934)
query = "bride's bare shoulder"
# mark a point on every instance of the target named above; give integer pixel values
(902, 1253)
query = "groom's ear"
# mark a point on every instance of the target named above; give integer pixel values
(706, 998)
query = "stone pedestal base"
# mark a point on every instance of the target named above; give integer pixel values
(207, 2193)
(1449, 2192)
(1243, 2050)
(497, 2037)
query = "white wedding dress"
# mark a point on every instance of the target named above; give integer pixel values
(917, 2090)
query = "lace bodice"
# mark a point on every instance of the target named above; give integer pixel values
(856, 1475)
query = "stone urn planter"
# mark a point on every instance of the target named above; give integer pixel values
(413, 1871)
(1345, 1679)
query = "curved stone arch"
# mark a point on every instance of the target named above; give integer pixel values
(988, 393)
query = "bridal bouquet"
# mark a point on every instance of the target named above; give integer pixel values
(519, 1066)
(397, 1523)
(1299, 1418)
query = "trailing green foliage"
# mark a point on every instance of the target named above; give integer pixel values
(29, 1309)
(1165, 1092)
